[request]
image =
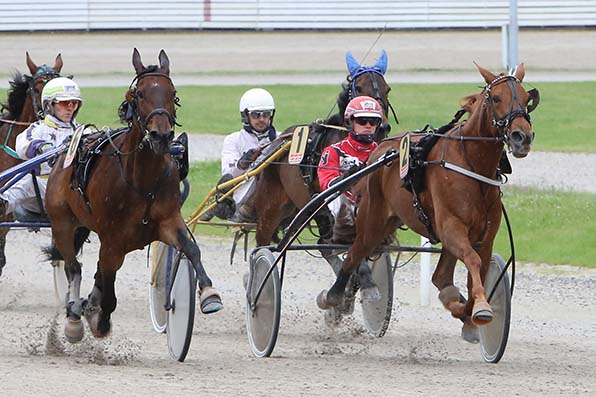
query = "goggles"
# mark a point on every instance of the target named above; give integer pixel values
(67, 104)
(255, 114)
(374, 121)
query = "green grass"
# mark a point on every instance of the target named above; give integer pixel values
(563, 121)
(548, 226)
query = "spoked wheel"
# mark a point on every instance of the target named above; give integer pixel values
(494, 335)
(262, 321)
(161, 265)
(377, 314)
(181, 315)
(60, 282)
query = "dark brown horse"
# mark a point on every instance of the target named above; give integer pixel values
(282, 188)
(22, 108)
(459, 201)
(131, 198)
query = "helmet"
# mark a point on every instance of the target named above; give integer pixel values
(257, 99)
(362, 106)
(58, 90)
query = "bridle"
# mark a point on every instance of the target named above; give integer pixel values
(135, 108)
(516, 108)
(373, 74)
(44, 73)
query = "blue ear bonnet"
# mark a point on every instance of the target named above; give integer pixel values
(356, 69)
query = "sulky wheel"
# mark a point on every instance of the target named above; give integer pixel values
(493, 336)
(161, 264)
(377, 314)
(181, 315)
(263, 315)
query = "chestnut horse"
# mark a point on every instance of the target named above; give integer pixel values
(282, 188)
(23, 108)
(460, 201)
(132, 198)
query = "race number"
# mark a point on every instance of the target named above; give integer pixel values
(404, 156)
(298, 147)
(74, 144)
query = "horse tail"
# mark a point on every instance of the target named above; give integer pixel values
(80, 237)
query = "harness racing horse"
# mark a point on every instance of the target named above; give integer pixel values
(458, 202)
(132, 198)
(282, 188)
(23, 108)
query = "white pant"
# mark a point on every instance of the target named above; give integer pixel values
(23, 194)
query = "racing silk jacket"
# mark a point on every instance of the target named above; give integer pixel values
(50, 130)
(234, 145)
(340, 157)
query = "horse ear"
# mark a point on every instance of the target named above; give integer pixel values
(520, 72)
(488, 76)
(32, 66)
(381, 64)
(352, 63)
(164, 62)
(136, 61)
(58, 64)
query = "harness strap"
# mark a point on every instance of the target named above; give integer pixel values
(466, 172)
(422, 217)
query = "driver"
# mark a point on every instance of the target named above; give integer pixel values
(241, 148)
(362, 118)
(61, 100)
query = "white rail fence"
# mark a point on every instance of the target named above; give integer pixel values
(33, 15)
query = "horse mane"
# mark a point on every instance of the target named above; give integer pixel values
(470, 102)
(17, 94)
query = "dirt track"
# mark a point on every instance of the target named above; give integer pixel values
(551, 349)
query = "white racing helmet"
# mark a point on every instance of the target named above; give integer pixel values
(60, 89)
(256, 100)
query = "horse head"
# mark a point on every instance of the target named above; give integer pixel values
(509, 105)
(151, 102)
(369, 81)
(40, 75)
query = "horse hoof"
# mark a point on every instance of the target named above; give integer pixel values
(210, 301)
(322, 300)
(448, 295)
(482, 313)
(74, 330)
(470, 332)
(370, 294)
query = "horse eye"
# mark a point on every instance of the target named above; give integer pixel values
(496, 99)
(140, 94)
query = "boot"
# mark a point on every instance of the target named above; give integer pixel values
(344, 229)
(245, 213)
(225, 208)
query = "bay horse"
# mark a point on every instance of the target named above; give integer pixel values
(132, 198)
(458, 202)
(283, 188)
(22, 108)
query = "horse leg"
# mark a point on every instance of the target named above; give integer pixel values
(103, 292)
(209, 296)
(461, 248)
(451, 298)
(370, 232)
